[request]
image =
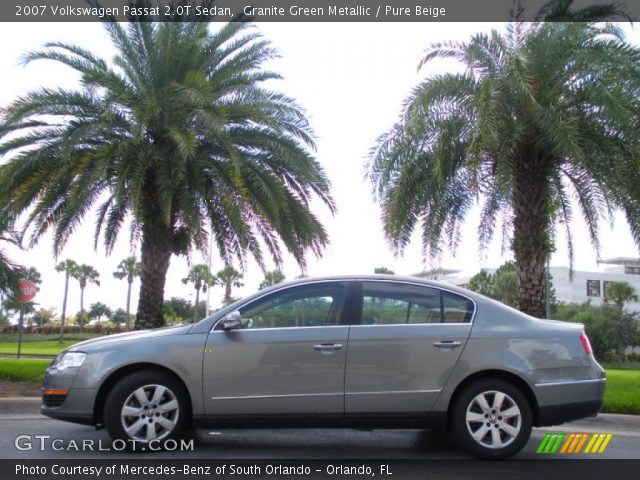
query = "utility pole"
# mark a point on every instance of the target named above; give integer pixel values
(547, 291)
(206, 313)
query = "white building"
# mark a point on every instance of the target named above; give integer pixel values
(592, 286)
(583, 287)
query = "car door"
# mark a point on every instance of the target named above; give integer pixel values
(288, 359)
(409, 339)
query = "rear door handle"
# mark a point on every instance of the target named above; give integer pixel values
(447, 344)
(327, 346)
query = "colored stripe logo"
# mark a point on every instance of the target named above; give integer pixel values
(572, 443)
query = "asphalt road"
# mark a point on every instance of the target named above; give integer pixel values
(299, 443)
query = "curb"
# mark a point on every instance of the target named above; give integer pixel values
(20, 405)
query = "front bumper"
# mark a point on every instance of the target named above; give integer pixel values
(77, 407)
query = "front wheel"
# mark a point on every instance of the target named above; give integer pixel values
(492, 419)
(145, 409)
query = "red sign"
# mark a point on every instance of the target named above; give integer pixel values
(28, 290)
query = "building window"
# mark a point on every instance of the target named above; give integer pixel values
(632, 270)
(593, 288)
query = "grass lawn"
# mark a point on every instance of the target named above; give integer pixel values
(622, 394)
(25, 369)
(43, 347)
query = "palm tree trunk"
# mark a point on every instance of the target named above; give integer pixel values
(195, 307)
(227, 293)
(82, 306)
(64, 305)
(128, 306)
(531, 218)
(155, 256)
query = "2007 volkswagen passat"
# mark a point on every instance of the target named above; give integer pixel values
(364, 352)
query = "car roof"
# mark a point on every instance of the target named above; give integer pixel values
(387, 277)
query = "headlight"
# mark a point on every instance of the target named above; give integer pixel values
(69, 359)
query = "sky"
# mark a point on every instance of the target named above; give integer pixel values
(351, 79)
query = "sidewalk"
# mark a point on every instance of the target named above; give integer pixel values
(20, 405)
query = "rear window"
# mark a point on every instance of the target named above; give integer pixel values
(392, 303)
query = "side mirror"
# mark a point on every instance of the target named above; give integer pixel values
(232, 321)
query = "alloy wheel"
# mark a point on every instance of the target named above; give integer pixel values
(493, 419)
(150, 413)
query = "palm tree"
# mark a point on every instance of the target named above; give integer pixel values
(128, 268)
(620, 293)
(32, 274)
(272, 278)
(229, 277)
(180, 136)
(383, 271)
(543, 122)
(10, 272)
(201, 277)
(69, 267)
(85, 274)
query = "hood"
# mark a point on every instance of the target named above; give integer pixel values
(128, 336)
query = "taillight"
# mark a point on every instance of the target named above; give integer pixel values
(586, 344)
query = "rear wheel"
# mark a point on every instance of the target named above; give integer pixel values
(145, 409)
(492, 419)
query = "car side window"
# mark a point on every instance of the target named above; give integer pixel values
(397, 303)
(456, 309)
(305, 306)
(388, 303)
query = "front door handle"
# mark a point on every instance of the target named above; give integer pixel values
(447, 344)
(327, 346)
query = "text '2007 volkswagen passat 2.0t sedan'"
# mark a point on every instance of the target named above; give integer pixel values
(361, 352)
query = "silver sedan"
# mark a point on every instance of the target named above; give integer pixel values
(356, 352)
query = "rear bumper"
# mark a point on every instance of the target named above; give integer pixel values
(557, 414)
(560, 402)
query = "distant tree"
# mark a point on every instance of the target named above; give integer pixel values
(181, 308)
(80, 317)
(503, 285)
(383, 271)
(98, 310)
(201, 277)
(85, 274)
(482, 283)
(620, 293)
(609, 329)
(33, 275)
(119, 317)
(128, 268)
(169, 314)
(44, 315)
(69, 267)
(229, 277)
(272, 278)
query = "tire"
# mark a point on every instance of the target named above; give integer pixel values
(145, 409)
(492, 419)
